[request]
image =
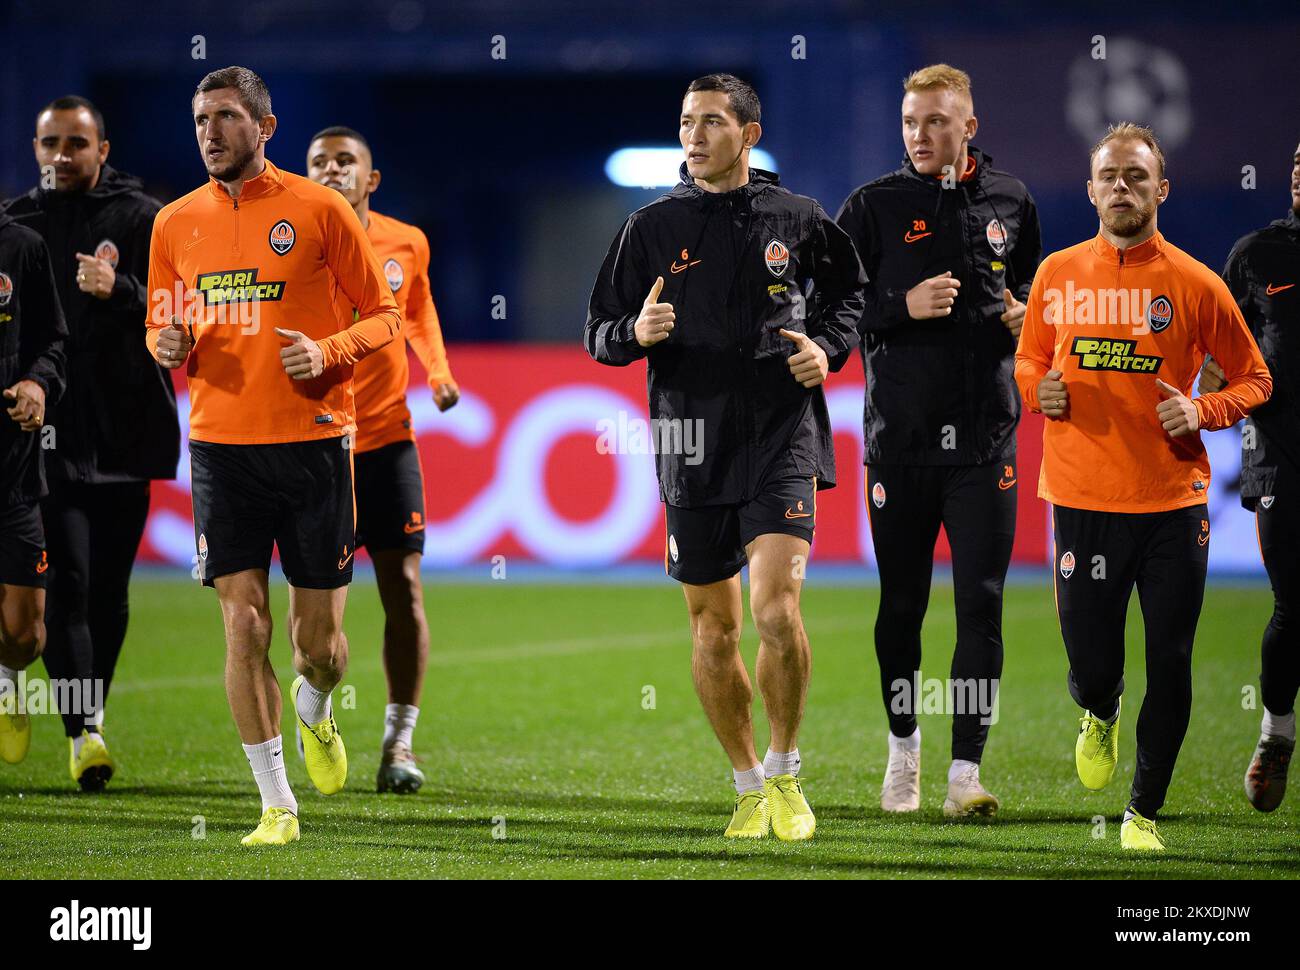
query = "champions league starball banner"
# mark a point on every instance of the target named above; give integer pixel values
(549, 459)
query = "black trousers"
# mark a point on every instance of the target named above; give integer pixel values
(92, 533)
(976, 506)
(1279, 543)
(1100, 557)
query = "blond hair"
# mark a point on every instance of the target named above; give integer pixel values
(940, 76)
(1127, 130)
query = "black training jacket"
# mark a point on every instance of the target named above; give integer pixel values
(737, 267)
(941, 391)
(117, 421)
(31, 348)
(1263, 273)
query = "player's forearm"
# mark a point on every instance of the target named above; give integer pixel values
(613, 341)
(1242, 394)
(360, 340)
(1029, 371)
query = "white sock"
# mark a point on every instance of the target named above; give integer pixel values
(958, 766)
(85, 736)
(751, 780)
(781, 763)
(910, 743)
(313, 706)
(1275, 725)
(399, 724)
(267, 761)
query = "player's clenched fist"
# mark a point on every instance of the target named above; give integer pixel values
(656, 320)
(933, 297)
(1212, 377)
(1053, 398)
(174, 345)
(1176, 412)
(808, 365)
(302, 359)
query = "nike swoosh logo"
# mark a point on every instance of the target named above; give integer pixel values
(408, 528)
(1203, 539)
(682, 267)
(343, 563)
(276, 752)
(1271, 289)
(193, 242)
(41, 567)
(797, 515)
(1004, 484)
(913, 237)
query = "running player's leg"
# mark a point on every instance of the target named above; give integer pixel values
(1095, 567)
(253, 693)
(979, 517)
(776, 568)
(405, 654)
(390, 525)
(69, 650)
(1279, 678)
(22, 638)
(23, 568)
(1171, 588)
(903, 503)
(315, 534)
(777, 563)
(116, 527)
(235, 508)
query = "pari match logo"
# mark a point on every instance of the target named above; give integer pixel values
(226, 286)
(777, 257)
(1095, 354)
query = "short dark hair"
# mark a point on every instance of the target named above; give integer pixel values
(743, 97)
(71, 102)
(341, 131)
(253, 92)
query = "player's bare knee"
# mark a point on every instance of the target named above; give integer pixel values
(777, 619)
(248, 632)
(24, 644)
(715, 636)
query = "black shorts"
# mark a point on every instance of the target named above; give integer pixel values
(390, 498)
(707, 544)
(296, 495)
(23, 560)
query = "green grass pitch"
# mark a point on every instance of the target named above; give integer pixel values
(543, 761)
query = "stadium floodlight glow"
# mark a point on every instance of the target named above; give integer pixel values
(646, 168)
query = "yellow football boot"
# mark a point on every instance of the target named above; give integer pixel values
(322, 749)
(792, 818)
(750, 818)
(278, 826)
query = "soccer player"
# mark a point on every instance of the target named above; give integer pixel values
(255, 255)
(708, 284)
(1115, 331)
(32, 369)
(115, 428)
(950, 245)
(1262, 272)
(389, 481)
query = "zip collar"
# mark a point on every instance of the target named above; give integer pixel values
(264, 183)
(1144, 252)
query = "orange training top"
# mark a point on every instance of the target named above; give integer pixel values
(235, 269)
(1113, 322)
(381, 379)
